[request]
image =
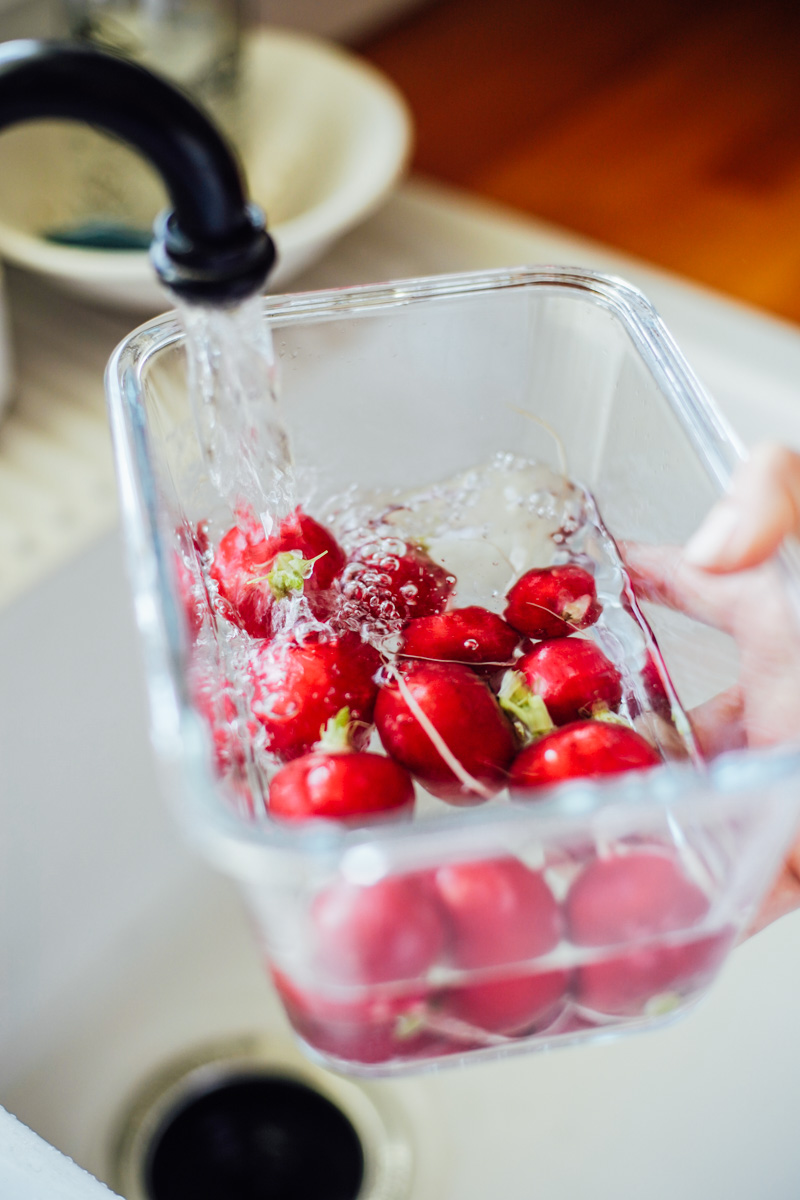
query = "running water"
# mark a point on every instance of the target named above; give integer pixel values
(235, 399)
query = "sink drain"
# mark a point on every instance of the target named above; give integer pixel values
(251, 1137)
(248, 1121)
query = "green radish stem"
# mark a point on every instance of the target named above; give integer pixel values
(288, 574)
(336, 735)
(520, 702)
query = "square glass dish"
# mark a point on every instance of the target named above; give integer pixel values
(485, 425)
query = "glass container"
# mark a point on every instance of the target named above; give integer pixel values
(528, 919)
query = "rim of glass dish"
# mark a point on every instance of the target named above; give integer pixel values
(180, 736)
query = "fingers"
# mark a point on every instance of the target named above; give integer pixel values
(761, 509)
(719, 723)
(662, 575)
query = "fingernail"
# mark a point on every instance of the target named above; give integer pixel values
(708, 547)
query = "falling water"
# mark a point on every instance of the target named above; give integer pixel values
(234, 393)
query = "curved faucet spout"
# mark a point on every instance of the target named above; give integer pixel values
(213, 246)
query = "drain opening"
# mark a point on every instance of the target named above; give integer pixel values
(254, 1138)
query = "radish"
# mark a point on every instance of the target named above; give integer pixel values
(472, 636)
(549, 602)
(498, 911)
(650, 979)
(339, 783)
(299, 686)
(573, 677)
(389, 581)
(511, 1004)
(252, 571)
(629, 899)
(442, 723)
(368, 1027)
(385, 933)
(583, 748)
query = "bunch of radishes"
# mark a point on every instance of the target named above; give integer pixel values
(465, 704)
(473, 954)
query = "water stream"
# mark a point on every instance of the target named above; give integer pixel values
(234, 391)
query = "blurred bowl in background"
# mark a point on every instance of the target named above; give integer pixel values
(322, 135)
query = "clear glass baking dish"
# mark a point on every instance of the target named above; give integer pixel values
(599, 906)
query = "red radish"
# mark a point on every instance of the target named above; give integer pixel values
(650, 978)
(499, 911)
(573, 677)
(369, 1028)
(299, 686)
(472, 635)
(582, 748)
(511, 1005)
(465, 718)
(634, 898)
(338, 783)
(549, 602)
(385, 933)
(253, 571)
(390, 581)
(629, 897)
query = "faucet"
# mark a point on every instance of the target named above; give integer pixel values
(212, 247)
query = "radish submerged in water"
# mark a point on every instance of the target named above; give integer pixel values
(369, 1027)
(252, 571)
(391, 931)
(389, 581)
(299, 686)
(499, 912)
(627, 901)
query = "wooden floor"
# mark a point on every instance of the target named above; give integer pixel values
(668, 128)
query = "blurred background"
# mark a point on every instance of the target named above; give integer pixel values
(669, 129)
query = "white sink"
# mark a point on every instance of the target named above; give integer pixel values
(120, 949)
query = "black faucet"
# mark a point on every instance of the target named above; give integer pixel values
(213, 246)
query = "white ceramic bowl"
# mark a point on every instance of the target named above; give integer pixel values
(324, 138)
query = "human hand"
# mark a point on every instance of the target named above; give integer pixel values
(726, 577)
